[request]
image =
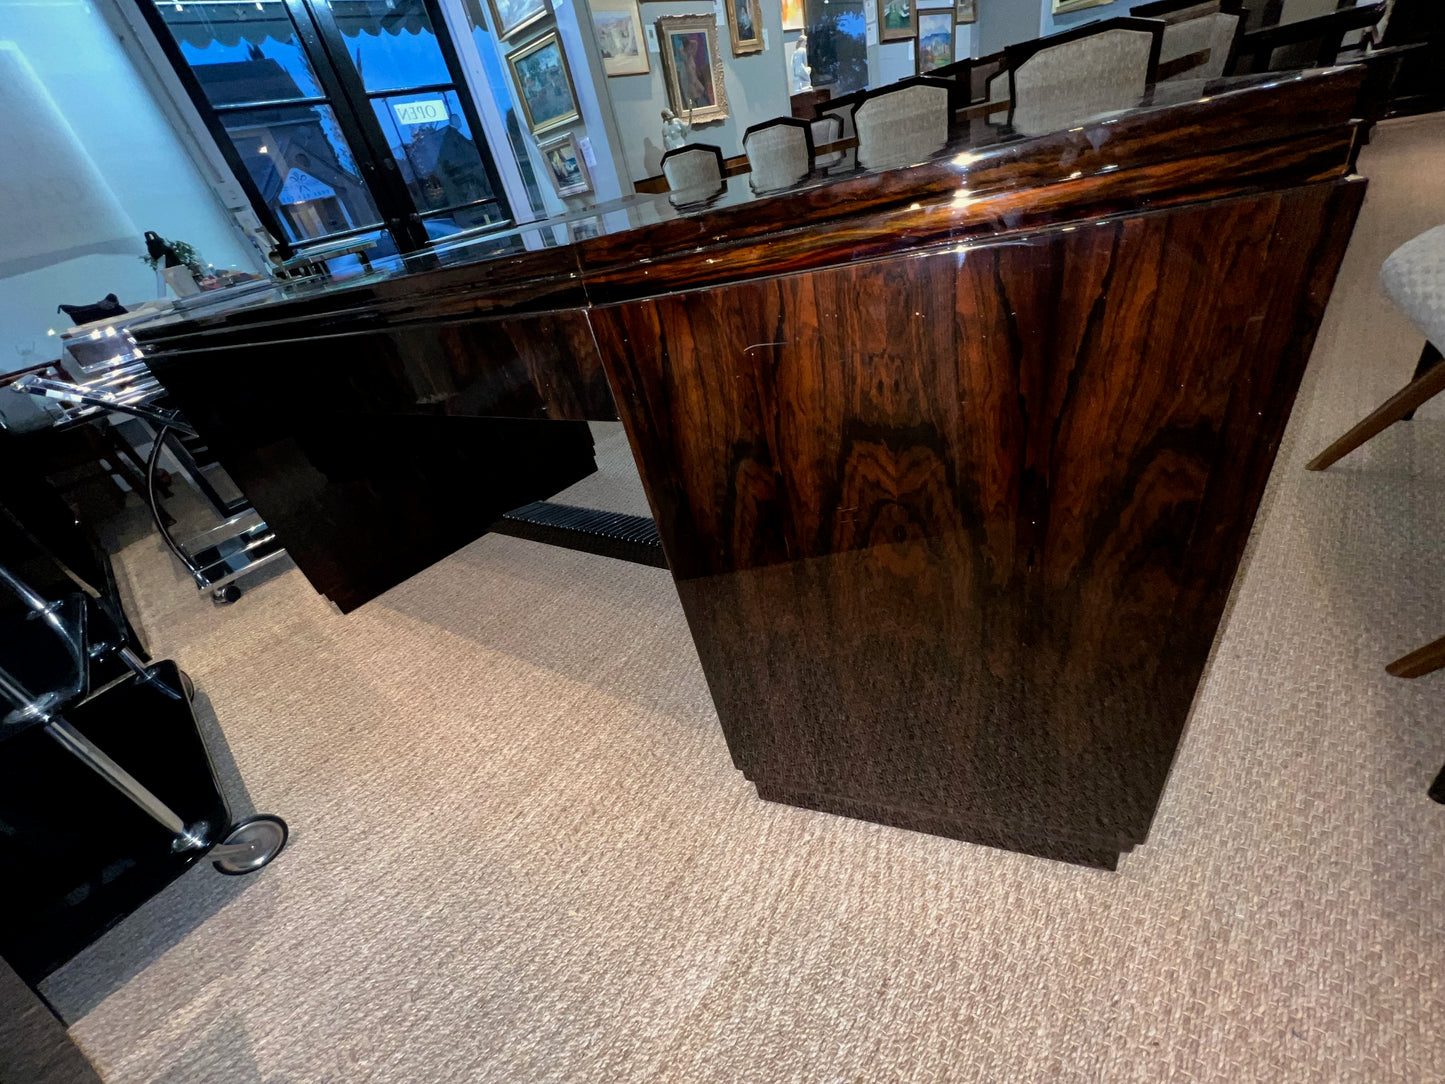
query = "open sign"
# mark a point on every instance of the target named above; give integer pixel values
(427, 111)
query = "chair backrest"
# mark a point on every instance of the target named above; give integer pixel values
(1216, 33)
(780, 152)
(698, 165)
(1096, 68)
(907, 121)
(827, 129)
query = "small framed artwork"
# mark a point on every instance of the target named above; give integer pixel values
(745, 26)
(565, 166)
(692, 67)
(897, 20)
(1061, 7)
(544, 84)
(966, 11)
(935, 40)
(793, 15)
(617, 26)
(513, 16)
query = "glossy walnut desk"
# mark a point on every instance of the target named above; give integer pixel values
(953, 463)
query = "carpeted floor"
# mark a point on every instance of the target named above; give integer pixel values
(521, 853)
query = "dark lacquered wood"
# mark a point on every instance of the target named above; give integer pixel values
(953, 532)
(953, 463)
(1318, 104)
(1421, 661)
(374, 454)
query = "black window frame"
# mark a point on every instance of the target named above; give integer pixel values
(343, 92)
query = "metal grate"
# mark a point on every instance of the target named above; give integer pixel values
(593, 530)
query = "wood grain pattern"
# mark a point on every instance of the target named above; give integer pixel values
(932, 518)
(954, 465)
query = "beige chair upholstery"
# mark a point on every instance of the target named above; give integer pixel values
(828, 129)
(1213, 32)
(1063, 84)
(693, 167)
(1413, 277)
(780, 153)
(902, 125)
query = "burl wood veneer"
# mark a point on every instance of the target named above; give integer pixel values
(953, 464)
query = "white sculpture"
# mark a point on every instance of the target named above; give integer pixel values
(674, 131)
(802, 71)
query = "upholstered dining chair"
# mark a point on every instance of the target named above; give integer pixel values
(1095, 68)
(827, 129)
(695, 166)
(904, 122)
(1413, 277)
(779, 151)
(1192, 28)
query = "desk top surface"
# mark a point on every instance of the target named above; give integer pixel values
(1173, 121)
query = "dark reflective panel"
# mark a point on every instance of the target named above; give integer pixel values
(433, 147)
(391, 42)
(303, 167)
(246, 51)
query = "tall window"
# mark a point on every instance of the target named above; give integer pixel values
(341, 117)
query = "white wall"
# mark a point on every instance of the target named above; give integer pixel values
(149, 175)
(1050, 23)
(757, 90)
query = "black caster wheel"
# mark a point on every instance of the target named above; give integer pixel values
(249, 845)
(187, 685)
(224, 596)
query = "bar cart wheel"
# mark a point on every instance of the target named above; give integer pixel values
(250, 845)
(224, 596)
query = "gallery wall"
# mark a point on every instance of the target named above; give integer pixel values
(757, 89)
(594, 126)
(1049, 23)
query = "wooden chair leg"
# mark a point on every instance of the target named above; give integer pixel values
(1400, 405)
(1429, 358)
(1421, 661)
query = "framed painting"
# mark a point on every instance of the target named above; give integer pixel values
(1061, 7)
(617, 26)
(566, 166)
(745, 26)
(935, 40)
(897, 20)
(544, 84)
(512, 16)
(966, 11)
(793, 15)
(692, 67)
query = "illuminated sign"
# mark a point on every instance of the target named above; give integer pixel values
(427, 111)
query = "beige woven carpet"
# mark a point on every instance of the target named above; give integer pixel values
(520, 851)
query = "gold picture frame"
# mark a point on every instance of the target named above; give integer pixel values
(544, 84)
(794, 14)
(695, 86)
(523, 13)
(897, 20)
(745, 26)
(621, 40)
(965, 11)
(1063, 7)
(566, 167)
